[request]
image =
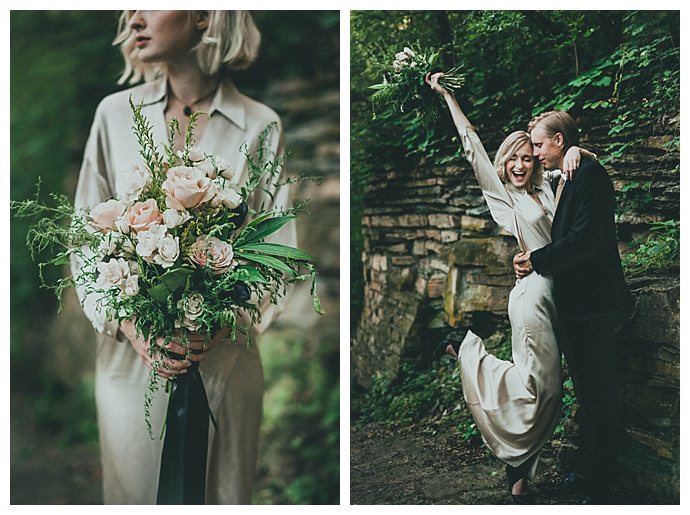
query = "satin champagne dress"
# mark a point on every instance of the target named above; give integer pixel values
(232, 372)
(516, 404)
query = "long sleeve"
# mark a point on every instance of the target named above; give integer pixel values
(92, 189)
(495, 193)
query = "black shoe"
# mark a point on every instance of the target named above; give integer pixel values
(571, 484)
(440, 350)
(515, 475)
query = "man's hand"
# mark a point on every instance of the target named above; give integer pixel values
(522, 265)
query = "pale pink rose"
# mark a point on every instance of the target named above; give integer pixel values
(104, 215)
(143, 215)
(187, 187)
(212, 252)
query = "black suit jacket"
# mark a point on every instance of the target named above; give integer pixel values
(583, 254)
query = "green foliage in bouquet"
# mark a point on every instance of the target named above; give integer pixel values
(193, 267)
(404, 89)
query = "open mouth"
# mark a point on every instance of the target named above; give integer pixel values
(519, 175)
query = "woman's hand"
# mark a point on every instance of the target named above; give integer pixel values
(432, 81)
(196, 349)
(169, 367)
(571, 161)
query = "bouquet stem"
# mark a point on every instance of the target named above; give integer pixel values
(183, 462)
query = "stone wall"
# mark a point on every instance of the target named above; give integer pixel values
(434, 259)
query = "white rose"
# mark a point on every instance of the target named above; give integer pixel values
(130, 183)
(225, 195)
(408, 51)
(147, 241)
(401, 56)
(207, 167)
(173, 217)
(195, 154)
(107, 245)
(130, 286)
(168, 251)
(112, 273)
(397, 66)
(225, 171)
(122, 223)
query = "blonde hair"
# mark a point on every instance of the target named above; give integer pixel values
(554, 122)
(231, 41)
(508, 148)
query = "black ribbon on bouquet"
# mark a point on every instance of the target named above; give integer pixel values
(183, 462)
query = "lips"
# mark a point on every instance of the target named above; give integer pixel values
(142, 41)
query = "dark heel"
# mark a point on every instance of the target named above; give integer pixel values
(440, 349)
(515, 475)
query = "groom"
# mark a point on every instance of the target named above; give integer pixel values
(589, 292)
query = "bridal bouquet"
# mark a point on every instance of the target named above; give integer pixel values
(403, 87)
(174, 252)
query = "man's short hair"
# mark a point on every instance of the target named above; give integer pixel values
(557, 121)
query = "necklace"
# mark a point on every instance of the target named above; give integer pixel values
(187, 107)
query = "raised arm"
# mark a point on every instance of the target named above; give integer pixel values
(497, 198)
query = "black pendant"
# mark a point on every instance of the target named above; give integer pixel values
(187, 111)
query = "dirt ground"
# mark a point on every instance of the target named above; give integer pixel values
(414, 467)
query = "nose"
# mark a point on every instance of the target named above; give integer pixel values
(518, 164)
(137, 22)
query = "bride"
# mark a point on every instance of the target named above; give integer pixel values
(516, 405)
(185, 58)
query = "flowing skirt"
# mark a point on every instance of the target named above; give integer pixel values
(130, 459)
(516, 405)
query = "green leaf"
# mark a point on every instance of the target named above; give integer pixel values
(249, 274)
(604, 81)
(261, 230)
(378, 86)
(274, 249)
(267, 261)
(174, 279)
(159, 292)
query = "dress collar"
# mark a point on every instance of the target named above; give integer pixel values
(227, 100)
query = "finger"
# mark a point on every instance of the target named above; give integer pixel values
(173, 367)
(173, 346)
(198, 357)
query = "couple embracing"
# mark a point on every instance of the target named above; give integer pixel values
(558, 202)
